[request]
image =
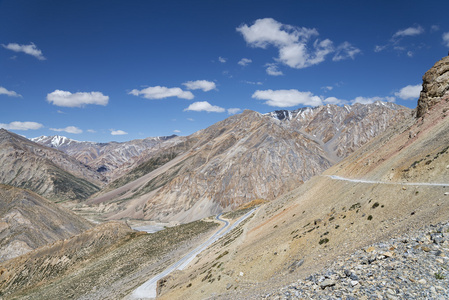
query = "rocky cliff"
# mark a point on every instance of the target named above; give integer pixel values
(434, 86)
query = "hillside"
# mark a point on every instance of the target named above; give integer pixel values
(277, 155)
(48, 172)
(393, 185)
(28, 221)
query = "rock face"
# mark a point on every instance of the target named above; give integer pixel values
(110, 159)
(48, 172)
(247, 157)
(435, 86)
(28, 221)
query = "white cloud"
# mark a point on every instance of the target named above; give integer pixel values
(200, 85)
(411, 31)
(68, 129)
(91, 131)
(380, 48)
(176, 131)
(434, 28)
(446, 38)
(369, 100)
(410, 53)
(327, 88)
(409, 92)
(161, 92)
(190, 119)
(287, 98)
(252, 82)
(233, 111)
(16, 125)
(333, 100)
(4, 91)
(30, 49)
(67, 99)
(293, 43)
(118, 132)
(272, 69)
(245, 61)
(204, 106)
(346, 51)
(222, 59)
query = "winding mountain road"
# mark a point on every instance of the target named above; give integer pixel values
(335, 177)
(148, 289)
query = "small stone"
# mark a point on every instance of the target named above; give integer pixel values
(327, 283)
(446, 194)
(354, 282)
(425, 249)
(370, 249)
(422, 281)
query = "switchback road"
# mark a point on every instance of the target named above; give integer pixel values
(335, 177)
(148, 289)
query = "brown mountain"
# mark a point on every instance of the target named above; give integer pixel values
(28, 221)
(110, 159)
(395, 184)
(46, 171)
(243, 158)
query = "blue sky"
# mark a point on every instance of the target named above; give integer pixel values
(122, 70)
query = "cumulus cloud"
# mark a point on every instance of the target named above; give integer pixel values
(200, 85)
(204, 106)
(233, 111)
(245, 61)
(161, 92)
(295, 45)
(409, 92)
(411, 31)
(16, 125)
(4, 91)
(446, 38)
(68, 129)
(273, 70)
(67, 99)
(222, 59)
(287, 98)
(30, 49)
(369, 100)
(118, 132)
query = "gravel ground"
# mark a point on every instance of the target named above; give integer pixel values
(415, 266)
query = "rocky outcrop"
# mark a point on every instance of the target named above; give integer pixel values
(28, 221)
(435, 86)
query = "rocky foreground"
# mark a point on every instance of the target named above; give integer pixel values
(414, 266)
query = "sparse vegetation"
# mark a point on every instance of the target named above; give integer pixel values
(370, 217)
(376, 204)
(439, 276)
(324, 241)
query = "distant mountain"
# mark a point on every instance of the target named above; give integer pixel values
(46, 171)
(28, 221)
(110, 159)
(243, 158)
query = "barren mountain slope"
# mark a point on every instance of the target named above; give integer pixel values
(48, 172)
(28, 221)
(246, 157)
(305, 229)
(110, 159)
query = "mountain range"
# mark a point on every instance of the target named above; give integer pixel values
(326, 182)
